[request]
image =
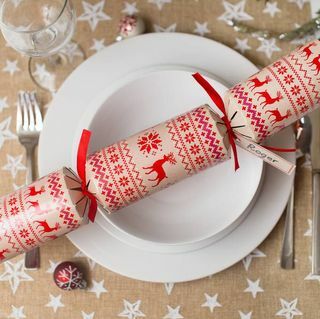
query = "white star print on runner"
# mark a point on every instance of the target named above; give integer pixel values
(245, 315)
(131, 310)
(130, 8)
(170, 28)
(201, 28)
(14, 165)
(11, 67)
(17, 312)
(311, 276)
(52, 267)
(72, 50)
(308, 232)
(299, 3)
(159, 3)
(41, 72)
(55, 302)
(87, 315)
(211, 302)
(15, 273)
(168, 287)
(93, 13)
(5, 133)
(268, 46)
(253, 287)
(91, 262)
(242, 45)
(235, 12)
(98, 288)
(173, 313)
(271, 8)
(289, 309)
(248, 259)
(3, 103)
(98, 45)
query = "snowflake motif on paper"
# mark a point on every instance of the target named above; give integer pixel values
(118, 169)
(295, 90)
(194, 149)
(282, 70)
(149, 141)
(70, 278)
(288, 79)
(289, 309)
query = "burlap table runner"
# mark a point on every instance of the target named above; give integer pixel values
(254, 288)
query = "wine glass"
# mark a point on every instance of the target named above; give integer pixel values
(42, 30)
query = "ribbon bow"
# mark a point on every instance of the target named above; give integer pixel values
(216, 98)
(81, 168)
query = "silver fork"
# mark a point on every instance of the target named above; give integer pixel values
(29, 125)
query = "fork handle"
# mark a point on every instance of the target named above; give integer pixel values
(287, 253)
(32, 257)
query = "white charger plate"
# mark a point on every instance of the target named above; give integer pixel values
(109, 67)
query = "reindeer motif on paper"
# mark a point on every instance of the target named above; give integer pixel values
(33, 192)
(306, 52)
(157, 167)
(268, 100)
(45, 226)
(278, 117)
(256, 83)
(2, 252)
(316, 63)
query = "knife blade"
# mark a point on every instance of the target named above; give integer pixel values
(315, 162)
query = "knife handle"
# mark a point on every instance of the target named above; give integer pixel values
(316, 223)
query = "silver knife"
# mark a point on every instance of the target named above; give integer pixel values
(315, 161)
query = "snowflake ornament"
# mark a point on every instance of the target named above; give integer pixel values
(68, 276)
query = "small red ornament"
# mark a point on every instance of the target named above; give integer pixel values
(130, 26)
(68, 276)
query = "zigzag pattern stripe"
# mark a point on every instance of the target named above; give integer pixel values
(73, 224)
(140, 188)
(310, 81)
(176, 141)
(209, 136)
(262, 132)
(53, 180)
(115, 204)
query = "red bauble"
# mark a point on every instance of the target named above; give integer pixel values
(68, 276)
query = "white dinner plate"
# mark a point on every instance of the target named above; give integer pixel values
(80, 94)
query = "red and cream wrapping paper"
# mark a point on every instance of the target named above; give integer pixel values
(44, 210)
(277, 95)
(158, 157)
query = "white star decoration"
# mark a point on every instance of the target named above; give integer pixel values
(311, 276)
(93, 13)
(173, 313)
(131, 310)
(289, 309)
(130, 8)
(87, 315)
(211, 302)
(201, 28)
(308, 233)
(245, 315)
(235, 12)
(170, 28)
(159, 3)
(242, 45)
(253, 287)
(11, 67)
(90, 261)
(52, 267)
(248, 259)
(299, 3)
(5, 133)
(97, 288)
(271, 8)
(3, 103)
(72, 50)
(17, 313)
(14, 165)
(268, 46)
(41, 72)
(55, 302)
(15, 273)
(97, 45)
(168, 287)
